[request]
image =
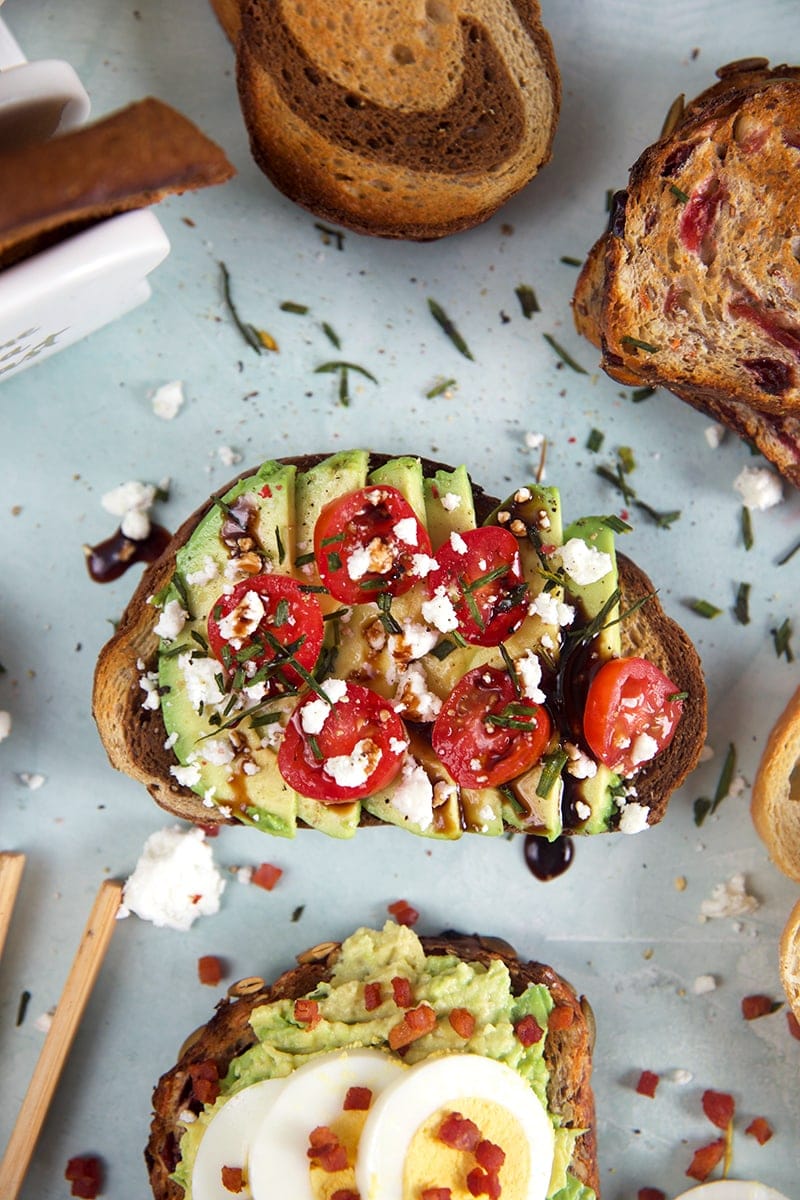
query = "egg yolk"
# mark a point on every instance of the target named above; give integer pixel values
(432, 1163)
(347, 1127)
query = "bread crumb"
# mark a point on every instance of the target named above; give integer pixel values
(704, 984)
(680, 883)
(5, 724)
(728, 899)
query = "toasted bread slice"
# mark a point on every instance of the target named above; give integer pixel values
(695, 285)
(441, 116)
(130, 159)
(567, 1050)
(775, 803)
(229, 15)
(134, 736)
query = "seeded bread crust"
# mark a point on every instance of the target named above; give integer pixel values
(568, 1051)
(134, 737)
(445, 112)
(127, 160)
(695, 286)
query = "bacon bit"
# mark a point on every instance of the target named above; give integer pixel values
(458, 1132)
(307, 1011)
(403, 995)
(373, 995)
(489, 1156)
(561, 1017)
(85, 1173)
(757, 1006)
(209, 969)
(205, 1081)
(719, 1107)
(211, 830)
(196, 897)
(326, 1150)
(344, 1194)
(760, 1129)
(266, 876)
(462, 1021)
(415, 1024)
(483, 1183)
(705, 1159)
(358, 1099)
(528, 1031)
(403, 912)
(436, 1193)
(794, 1025)
(233, 1179)
(651, 1194)
(648, 1082)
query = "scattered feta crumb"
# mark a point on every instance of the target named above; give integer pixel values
(552, 610)
(32, 781)
(728, 899)
(706, 754)
(583, 563)
(457, 543)
(413, 796)
(5, 724)
(680, 1076)
(228, 456)
(530, 673)
(175, 880)
(579, 765)
(413, 698)
(167, 400)
(171, 621)
(644, 748)
(354, 769)
(44, 1021)
(759, 487)
(583, 810)
(148, 682)
(186, 776)
(439, 611)
(704, 984)
(534, 441)
(633, 818)
(243, 874)
(204, 574)
(131, 502)
(405, 530)
(423, 564)
(450, 501)
(714, 435)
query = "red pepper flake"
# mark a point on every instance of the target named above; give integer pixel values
(458, 1132)
(705, 1159)
(233, 1179)
(760, 1129)
(266, 492)
(462, 1021)
(758, 1006)
(358, 1099)
(403, 912)
(648, 1082)
(307, 1012)
(561, 1017)
(209, 969)
(326, 1150)
(85, 1173)
(719, 1107)
(373, 995)
(528, 1031)
(794, 1025)
(436, 1193)
(205, 1081)
(266, 876)
(483, 1183)
(401, 989)
(648, 1193)
(489, 1156)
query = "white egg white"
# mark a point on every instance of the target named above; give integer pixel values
(229, 1136)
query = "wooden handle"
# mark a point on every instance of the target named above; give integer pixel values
(77, 990)
(11, 868)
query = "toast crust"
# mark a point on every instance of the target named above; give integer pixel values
(134, 737)
(775, 798)
(568, 1051)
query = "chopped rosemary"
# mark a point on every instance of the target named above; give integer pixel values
(330, 235)
(610, 194)
(229, 513)
(747, 528)
(474, 611)
(789, 554)
(673, 696)
(522, 720)
(552, 766)
(290, 307)
(638, 344)
(386, 618)
(248, 332)
(336, 615)
(334, 561)
(569, 261)
(595, 440)
(742, 607)
(642, 393)
(201, 641)
(279, 544)
(344, 369)
(183, 595)
(527, 300)
(563, 355)
(662, 519)
(782, 639)
(512, 670)
(704, 608)
(315, 750)
(332, 540)
(439, 388)
(616, 524)
(705, 806)
(302, 560)
(513, 799)
(331, 335)
(267, 718)
(443, 649)
(676, 191)
(447, 326)
(281, 612)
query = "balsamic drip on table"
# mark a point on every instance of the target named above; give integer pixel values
(547, 860)
(109, 559)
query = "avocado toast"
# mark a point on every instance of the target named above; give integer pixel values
(254, 625)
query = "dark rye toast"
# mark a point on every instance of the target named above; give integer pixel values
(695, 285)
(568, 1051)
(391, 121)
(134, 736)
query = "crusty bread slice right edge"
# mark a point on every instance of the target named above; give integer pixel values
(775, 798)
(789, 959)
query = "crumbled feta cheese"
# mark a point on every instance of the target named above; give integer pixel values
(728, 899)
(33, 781)
(583, 810)
(534, 441)
(405, 530)
(704, 984)
(186, 776)
(457, 543)
(529, 670)
(171, 621)
(413, 796)
(204, 574)
(584, 563)
(5, 724)
(218, 751)
(251, 768)
(414, 642)
(44, 1021)
(175, 880)
(228, 456)
(413, 698)
(354, 769)
(422, 565)
(128, 497)
(200, 680)
(439, 611)
(714, 435)
(167, 400)
(314, 712)
(633, 818)
(171, 740)
(242, 620)
(450, 501)
(551, 610)
(680, 1076)
(643, 749)
(579, 765)
(243, 874)
(148, 682)
(375, 558)
(759, 487)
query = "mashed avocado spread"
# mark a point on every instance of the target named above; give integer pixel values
(443, 982)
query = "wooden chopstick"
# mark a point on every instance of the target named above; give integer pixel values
(83, 972)
(12, 864)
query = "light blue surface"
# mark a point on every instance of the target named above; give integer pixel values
(81, 423)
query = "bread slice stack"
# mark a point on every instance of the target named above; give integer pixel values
(410, 120)
(695, 286)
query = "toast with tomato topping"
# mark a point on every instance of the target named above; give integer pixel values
(466, 984)
(359, 640)
(695, 285)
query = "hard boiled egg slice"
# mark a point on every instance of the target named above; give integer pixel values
(732, 1189)
(400, 1155)
(314, 1095)
(227, 1140)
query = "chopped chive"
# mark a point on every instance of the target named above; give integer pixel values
(216, 612)
(704, 609)
(595, 439)
(742, 607)
(335, 616)
(527, 300)
(312, 587)
(447, 327)
(279, 545)
(616, 524)
(569, 261)
(552, 766)
(315, 750)
(563, 355)
(747, 528)
(443, 649)
(386, 618)
(474, 611)
(334, 538)
(334, 561)
(673, 696)
(459, 639)
(281, 612)
(201, 641)
(302, 560)
(642, 393)
(330, 235)
(247, 653)
(510, 667)
(290, 307)
(638, 344)
(248, 332)
(676, 191)
(267, 718)
(704, 806)
(227, 656)
(229, 513)
(610, 193)
(510, 795)
(180, 588)
(782, 640)
(439, 388)
(344, 369)
(662, 519)
(789, 554)
(372, 585)
(331, 335)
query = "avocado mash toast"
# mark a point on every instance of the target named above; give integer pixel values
(355, 639)
(390, 1065)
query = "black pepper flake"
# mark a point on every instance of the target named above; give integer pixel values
(22, 1007)
(298, 912)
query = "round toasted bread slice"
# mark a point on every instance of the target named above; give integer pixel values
(775, 798)
(789, 959)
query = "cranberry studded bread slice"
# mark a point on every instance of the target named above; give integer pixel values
(400, 120)
(696, 284)
(406, 1051)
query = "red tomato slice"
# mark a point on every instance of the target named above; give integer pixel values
(280, 625)
(357, 748)
(365, 542)
(631, 713)
(477, 750)
(480, 573)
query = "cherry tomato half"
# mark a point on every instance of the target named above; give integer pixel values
(342, 751)
(480, 573)
(485, 734)
(365, 543)
(267, 619)
(630, 713)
